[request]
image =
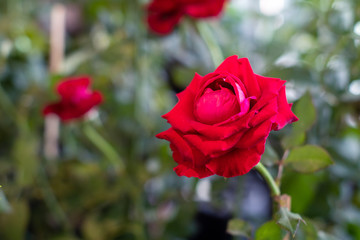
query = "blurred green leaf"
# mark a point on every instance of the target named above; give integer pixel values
(13, 225)
(26, 157)
(270, 157)
(307, 231)
(288, 220)
(301, 188)
(305, 110)
(239, 227)
(92, 229)
(268, 231)
(294, 139)
(308, 159)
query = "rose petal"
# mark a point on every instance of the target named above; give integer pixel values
(268, 111)
(241, 68)
(182, 115)
(255, 135)
(201, 9)
(182, 170)
(163, 23)
(237, 162)
(191, 156)
(285, 115)
(68, 87)
(191, 162)
(216, 106)
(210, 147)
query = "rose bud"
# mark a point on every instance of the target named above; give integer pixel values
(163, 15)
(222, 120)
(76, 99)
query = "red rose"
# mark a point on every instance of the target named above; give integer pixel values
(76, 99)
(222, 120)
(163, 15)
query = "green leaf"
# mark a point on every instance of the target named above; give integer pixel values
(307, 231)
(270, 157)
(294, 139)
(269, 230)
(26, 158)
(238, 227)
(305, 110)
(308, 159)
(301, 188)
(288, 220)
(13, 225)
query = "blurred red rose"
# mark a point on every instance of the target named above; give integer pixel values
(76, 99)
(163, 15)
(222, 120)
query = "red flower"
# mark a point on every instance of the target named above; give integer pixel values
(222, 120)
(76, 99)
(163, 15)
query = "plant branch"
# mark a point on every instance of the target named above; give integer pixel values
(274, 188)
(281, 167)
(105, 147)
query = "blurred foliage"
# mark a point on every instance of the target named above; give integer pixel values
(313, 44)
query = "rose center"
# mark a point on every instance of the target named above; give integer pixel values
(216, 104)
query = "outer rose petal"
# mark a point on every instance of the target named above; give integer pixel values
(211, 147)
(182, 170)
(237, 162)
(241, 68)
(204, 8)
(68, 87)
(184, 153)
(268, 111)
(285, 115)
(182, 114)
(255, 135)
(163, 23)
(163, 6)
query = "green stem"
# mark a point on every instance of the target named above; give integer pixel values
(209, 39)
(51, 200)
(274, 188)
(105, 147)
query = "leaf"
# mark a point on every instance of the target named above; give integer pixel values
(305, 110)
(289, 221)
(26, 158)
(301, 188)
(269, 230)
(238, 227)
(294, 139)
(307, 231)
(13, 225)
(270, 157)
(308, 159)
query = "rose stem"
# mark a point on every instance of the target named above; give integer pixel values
(281, 167)
(105, 147)
(209, 39)
(274, 188)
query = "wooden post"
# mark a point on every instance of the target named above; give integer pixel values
(57, 46)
